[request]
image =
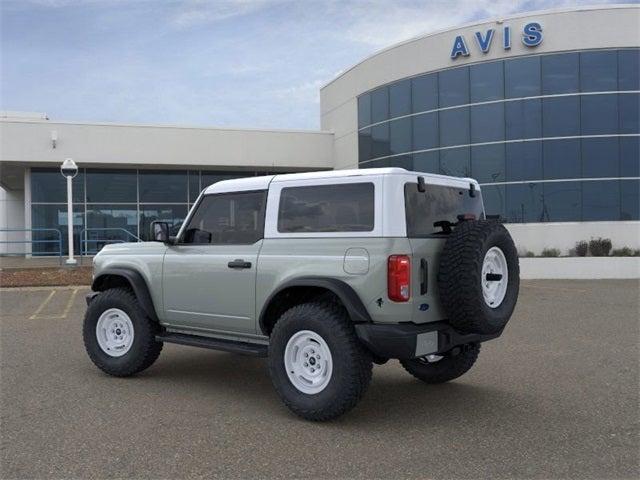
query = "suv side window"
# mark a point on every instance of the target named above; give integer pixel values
(347, 207)
(227, 219)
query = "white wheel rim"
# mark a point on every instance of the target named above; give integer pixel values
(114, 332)
(308, 362)
(495, 277)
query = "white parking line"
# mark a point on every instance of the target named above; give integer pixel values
(42, 305)
(64, 313)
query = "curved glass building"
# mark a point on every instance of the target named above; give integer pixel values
(551, 137)
(541, 109)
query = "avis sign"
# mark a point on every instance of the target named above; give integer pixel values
(531, 37)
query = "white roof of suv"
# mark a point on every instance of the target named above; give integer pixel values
(262, 183)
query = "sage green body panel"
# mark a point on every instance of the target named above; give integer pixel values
(194, 291)
(202, 293)
(145, 258)
(428, 249)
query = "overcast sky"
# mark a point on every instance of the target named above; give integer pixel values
(244, 63)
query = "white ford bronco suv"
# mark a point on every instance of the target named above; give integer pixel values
(324, 273)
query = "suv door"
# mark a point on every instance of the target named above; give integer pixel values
(209, 275)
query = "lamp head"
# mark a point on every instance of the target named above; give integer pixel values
(69, 169)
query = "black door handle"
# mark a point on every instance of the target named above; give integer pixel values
(239, 263)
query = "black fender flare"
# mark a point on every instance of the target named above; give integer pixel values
(138, 285)
(347, 295)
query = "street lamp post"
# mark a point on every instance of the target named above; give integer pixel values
(69, 170)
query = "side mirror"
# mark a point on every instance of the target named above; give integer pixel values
(160, 232)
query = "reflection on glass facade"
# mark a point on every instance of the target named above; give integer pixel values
(114, 205)
(551, 138)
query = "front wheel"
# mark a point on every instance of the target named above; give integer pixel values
(317, 365)
(442, 368)
(118, 335)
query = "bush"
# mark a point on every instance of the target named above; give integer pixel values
(624, 252)
(600, 247)
(526, 253)
(550, 252)
(581, 248)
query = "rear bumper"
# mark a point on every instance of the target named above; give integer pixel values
(404, 341)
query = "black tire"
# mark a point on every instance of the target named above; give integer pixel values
(144, 349)
(352, 364)
(460, 277)
(448, 368)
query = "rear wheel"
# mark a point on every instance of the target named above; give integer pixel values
(442, 368)
(317, 365)
(118, 335)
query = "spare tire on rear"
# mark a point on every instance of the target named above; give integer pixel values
(479, 277)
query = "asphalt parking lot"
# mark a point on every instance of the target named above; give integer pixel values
(557, 396)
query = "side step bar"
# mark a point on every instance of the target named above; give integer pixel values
(244, 348)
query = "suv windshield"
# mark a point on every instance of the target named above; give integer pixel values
(437, 203)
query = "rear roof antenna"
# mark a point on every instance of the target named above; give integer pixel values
(421, 187)
(472, 190)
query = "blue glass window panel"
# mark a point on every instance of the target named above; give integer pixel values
(364, 145)
(600, 157)
(380, 140)
(194, 185)
(425, 131)
(428, 162)
(523, 119)
(173, 214)
(561, 159)
(455, 162)
(381, 163)
(487, 123)
(629, 113)
(560, 73)
(487, 81)
(454, 127)
(424, 93)
(488, 164)
(209, 177)
(630, 200)
(524, 203)
(402, 161)
(599, 114)
(364, 110)
(163, 186)
(54, 217)
(400, 98)
(630, 156)
(106, 186)
(400, 135)
(561, 116)
(117, 219)
(562, 202)
(523, 161)
(600, 200)
(49, 186)
(522, 77)
(599, 71)
(379, 105)
(453, 86)
(629, 69)
(493, 197)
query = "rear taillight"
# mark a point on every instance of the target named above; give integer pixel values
(399, 278)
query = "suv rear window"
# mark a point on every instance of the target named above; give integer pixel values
(423, 209)
(344, 207)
